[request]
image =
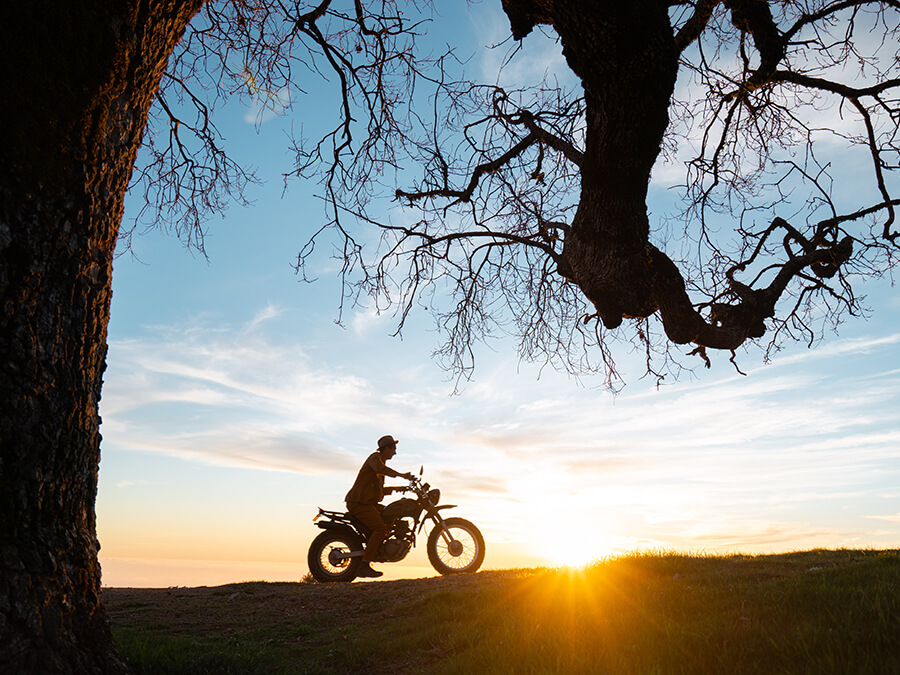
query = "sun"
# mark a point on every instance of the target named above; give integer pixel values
(565, 542)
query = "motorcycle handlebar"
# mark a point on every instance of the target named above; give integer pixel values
(415, 484)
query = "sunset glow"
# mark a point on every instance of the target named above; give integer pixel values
(234, 407)
(568, 544)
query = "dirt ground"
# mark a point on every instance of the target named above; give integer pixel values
(213, 609)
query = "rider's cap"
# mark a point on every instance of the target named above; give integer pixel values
(386, 441)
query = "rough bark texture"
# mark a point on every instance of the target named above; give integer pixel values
(625, 55)
(79, 78)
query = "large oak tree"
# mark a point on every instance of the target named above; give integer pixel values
(80, 80)
(533, 203)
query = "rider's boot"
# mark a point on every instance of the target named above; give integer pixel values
(366, 570)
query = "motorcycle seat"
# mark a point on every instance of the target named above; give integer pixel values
(363, 530)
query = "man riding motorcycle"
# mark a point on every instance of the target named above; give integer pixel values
(364, 497)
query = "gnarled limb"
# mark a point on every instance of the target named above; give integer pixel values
(534, 215)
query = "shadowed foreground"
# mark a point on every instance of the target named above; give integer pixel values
(810, 612)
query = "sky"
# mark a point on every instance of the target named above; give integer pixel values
(234, 406)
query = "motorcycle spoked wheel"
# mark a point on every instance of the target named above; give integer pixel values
(323, 562)
(464, 554)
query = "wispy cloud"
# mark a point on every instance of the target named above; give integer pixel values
(266, 105)
(366, 319)
(267, 313)
(894, 519)
(132, 483)
(231, 397)
(721, 463)
(511, 64)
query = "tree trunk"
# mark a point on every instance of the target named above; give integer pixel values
(79, 78)
(625, 55)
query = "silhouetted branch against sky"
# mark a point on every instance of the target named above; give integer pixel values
(681, 177)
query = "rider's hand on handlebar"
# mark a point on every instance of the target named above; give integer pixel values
(408, 476)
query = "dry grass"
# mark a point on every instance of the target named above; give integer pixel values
(809, 612)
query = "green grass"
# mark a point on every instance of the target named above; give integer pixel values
(813, 612)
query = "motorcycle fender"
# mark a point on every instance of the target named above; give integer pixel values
(340, 527)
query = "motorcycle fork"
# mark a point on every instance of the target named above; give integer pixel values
(453, 545)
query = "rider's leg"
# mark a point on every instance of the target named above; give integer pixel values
(370, 516)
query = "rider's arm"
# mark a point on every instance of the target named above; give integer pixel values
(388, 471)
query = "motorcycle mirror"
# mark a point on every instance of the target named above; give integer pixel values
(421, 469)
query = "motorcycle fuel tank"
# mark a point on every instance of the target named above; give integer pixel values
(401, 508)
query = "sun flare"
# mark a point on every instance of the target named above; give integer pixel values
(571, 543)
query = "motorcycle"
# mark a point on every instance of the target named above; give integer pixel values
(455, 545)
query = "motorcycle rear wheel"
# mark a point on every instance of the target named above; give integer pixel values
(321, 558)
(464, 555)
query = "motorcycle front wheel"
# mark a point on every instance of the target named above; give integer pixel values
(464, 553)
(326, 557)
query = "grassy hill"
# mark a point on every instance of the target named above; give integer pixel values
(813, 612)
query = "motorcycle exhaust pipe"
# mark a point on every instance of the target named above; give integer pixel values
(337, 557)
(352, 554)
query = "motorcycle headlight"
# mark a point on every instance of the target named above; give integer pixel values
(434, 496)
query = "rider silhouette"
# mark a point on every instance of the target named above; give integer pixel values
(364, 497)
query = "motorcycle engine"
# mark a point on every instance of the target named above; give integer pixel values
(398, 543)
(395, 549)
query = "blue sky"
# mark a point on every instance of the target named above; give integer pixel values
(233, 406)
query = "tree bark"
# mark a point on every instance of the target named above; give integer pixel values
(79, 79)
(625, 55)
